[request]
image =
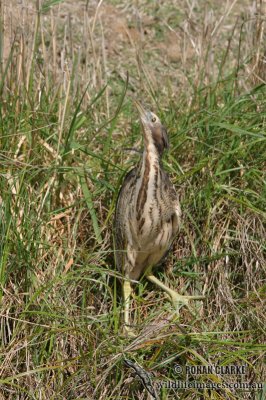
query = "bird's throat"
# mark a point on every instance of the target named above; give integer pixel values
(148, 182)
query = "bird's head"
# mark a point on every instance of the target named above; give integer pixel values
(154, 131)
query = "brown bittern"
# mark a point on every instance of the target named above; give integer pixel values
(147, 215)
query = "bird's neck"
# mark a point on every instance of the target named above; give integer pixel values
(150, 179)
(152, 154)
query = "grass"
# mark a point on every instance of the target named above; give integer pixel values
(66, 118)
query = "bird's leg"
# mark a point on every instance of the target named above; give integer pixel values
(127, 290)
(177, 299)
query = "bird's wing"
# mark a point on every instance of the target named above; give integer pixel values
(122, 204)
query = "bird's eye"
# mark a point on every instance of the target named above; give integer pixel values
(153, 119)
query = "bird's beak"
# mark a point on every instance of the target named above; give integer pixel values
(144, 115)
